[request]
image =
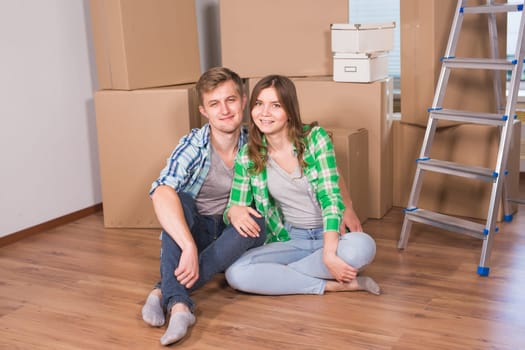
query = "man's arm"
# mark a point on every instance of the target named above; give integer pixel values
(170, 214)
(350, 218)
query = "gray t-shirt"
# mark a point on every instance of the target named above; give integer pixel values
(293, 195)
(215, 191)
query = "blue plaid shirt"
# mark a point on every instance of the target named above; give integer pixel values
(189, 163)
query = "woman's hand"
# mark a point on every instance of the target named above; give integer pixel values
(241, 218)
(340, 270)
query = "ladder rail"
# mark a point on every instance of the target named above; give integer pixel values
(494, 51)
(450, 50)
(514, 85)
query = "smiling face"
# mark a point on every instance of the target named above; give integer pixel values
(223, 107)
(268, 113)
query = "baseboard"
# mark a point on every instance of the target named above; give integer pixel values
(16, 236)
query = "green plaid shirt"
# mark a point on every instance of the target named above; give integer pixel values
(321, 172)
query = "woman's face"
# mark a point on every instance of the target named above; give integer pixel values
(268, 114)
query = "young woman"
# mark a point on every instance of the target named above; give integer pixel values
(288, 172)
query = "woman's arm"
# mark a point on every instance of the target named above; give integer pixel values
(328, 192)
(238, 211)
(331, 201)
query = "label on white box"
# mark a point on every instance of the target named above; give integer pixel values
(360, 68)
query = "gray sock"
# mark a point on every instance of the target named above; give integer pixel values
(152, 312)
(178, 327)
(368, 284)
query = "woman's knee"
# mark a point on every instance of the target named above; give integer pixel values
(357, 248)
(233, 276)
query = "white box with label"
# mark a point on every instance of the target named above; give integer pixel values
(360, 67)
(350, 37)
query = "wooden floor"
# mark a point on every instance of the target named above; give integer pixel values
(81, 286)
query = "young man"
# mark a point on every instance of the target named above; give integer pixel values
(189, 199)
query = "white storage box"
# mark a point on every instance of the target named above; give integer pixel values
(360, 67)
(359, 38)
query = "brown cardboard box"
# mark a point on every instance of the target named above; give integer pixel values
(137, 131)
(469, 144)
(351, 151)
(142, 44)
(289, 37)
(425, 27)
(355, 106)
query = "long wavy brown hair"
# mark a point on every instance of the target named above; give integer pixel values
(287, 94)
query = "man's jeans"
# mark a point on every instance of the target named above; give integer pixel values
(218, 245)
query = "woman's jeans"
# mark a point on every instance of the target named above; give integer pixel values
(218, 245)
(296, 266)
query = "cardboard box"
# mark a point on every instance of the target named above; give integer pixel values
(355, 106)
(360, 67)
(141, 44)
(469, 144)
(137, 131)
(351, 151)
(359, 38)
(425, 28)
(279, 37)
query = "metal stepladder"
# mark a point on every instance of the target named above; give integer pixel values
(502, 119)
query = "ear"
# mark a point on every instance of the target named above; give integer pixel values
(203, 112)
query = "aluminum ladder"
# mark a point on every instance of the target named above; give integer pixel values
(502, 119)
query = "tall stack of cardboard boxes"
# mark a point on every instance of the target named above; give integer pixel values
(147, 60)
(425, 27)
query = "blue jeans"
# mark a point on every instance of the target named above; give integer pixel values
(218, 245)
(296, 266)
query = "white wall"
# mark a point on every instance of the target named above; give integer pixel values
(48, 142)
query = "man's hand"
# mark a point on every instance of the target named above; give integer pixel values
(240, 218)
(351, 221)
(187, 272)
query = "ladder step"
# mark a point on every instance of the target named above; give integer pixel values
(446, 222)
(468, 117)
(494, 8)
(451, 168)
(478, 63)
(517, 200)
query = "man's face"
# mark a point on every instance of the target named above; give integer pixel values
(223, 107)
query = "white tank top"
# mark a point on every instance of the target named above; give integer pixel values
(293, 194)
